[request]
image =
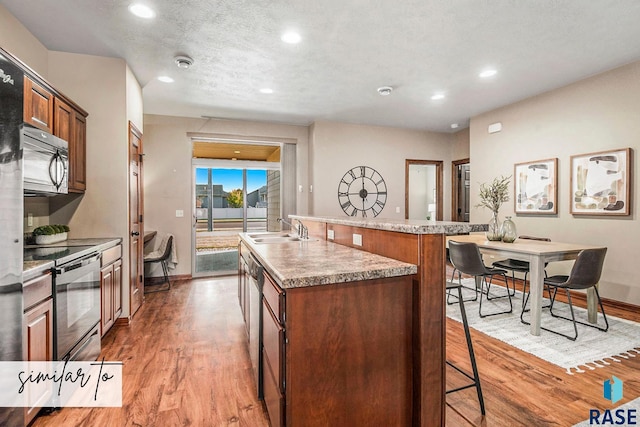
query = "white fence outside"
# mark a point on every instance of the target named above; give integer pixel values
(231, 213)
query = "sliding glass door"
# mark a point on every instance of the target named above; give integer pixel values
(228, 201)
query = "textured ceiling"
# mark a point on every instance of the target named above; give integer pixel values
(348, 49)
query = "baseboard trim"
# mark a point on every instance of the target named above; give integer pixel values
(160, 279)
(122, 321)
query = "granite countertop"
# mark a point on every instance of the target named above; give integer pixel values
(32, 269)
(318, 262)
(409, 226)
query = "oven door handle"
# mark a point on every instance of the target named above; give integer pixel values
(89, 259)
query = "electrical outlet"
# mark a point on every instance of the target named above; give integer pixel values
(330, 234)
(357, 239)
(179, 213)
(30, 219)
(397, 209)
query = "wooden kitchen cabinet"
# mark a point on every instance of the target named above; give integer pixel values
(38, 105)
(344, 361)
(70, 124)
(37, 340)
(110, 288)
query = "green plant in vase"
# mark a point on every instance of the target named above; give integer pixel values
(492, 196)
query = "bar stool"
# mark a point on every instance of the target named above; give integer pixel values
(475, 378)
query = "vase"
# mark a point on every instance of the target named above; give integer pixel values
(494, 232)
(509, 233)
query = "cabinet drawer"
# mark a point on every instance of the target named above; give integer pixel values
(274, 297)
(36, 290)
(272, 397)
(273, 343)
(111, 255)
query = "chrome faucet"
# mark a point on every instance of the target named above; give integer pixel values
(303, 231)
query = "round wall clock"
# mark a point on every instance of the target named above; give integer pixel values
(362, 192)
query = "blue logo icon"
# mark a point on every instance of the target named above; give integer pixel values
(612, 389)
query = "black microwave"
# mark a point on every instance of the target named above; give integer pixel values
(46, 162)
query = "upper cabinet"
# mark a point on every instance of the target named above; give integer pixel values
(38, 105)
(71, 125)
(57, 115)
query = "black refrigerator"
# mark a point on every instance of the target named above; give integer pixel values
(11, 222)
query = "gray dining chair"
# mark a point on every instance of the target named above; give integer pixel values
(585, 274)
(519, 266)
(162, 256)
(466, 259)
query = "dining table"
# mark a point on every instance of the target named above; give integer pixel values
(537, 254)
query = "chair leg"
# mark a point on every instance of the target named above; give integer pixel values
(475, 298)
(606, 322)
(165, 271)
(508, 295)
(476, 376)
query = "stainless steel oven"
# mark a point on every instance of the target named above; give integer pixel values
(77, 307)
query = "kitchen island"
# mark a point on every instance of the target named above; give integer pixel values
(364, 351)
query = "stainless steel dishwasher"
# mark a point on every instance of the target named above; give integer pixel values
(256, 280)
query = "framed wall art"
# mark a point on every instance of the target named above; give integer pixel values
(600, 183)
(536, 189)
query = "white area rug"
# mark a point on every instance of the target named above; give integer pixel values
(634, 404)
(593, 348)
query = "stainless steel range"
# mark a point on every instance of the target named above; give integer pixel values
(76, 299)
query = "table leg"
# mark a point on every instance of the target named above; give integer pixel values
(536, 286)
(592, 306)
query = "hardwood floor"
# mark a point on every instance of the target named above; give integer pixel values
(186, 363)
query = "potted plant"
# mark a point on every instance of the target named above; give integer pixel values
(46, 234)
(492, 196)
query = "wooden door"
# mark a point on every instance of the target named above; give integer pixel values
(136, 225)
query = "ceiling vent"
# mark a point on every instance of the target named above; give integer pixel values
(183, 61)
(385, 90)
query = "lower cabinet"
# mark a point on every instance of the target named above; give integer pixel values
(273, 351)
(338, 354)
(37, 333)
(110, 288)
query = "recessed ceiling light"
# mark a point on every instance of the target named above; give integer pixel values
(385, 90)
(438, 96)
(165, 79)
(141, 11)
(236, 152)
(454, 126)
(266, 90)
(488, 73)
(291, 37)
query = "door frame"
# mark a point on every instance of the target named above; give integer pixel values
(455, 182)
(439, 191)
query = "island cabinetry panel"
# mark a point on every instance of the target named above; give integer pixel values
(38, 105)
(110, 288)
(349, 353)
(400, 246)
(37, 340)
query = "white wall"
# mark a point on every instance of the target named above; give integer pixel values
(596, 114)
(338, 147)
(168, 171)
(17, 40)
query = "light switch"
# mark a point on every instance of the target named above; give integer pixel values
(179, 213)
(397, 209)
(357, 239)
